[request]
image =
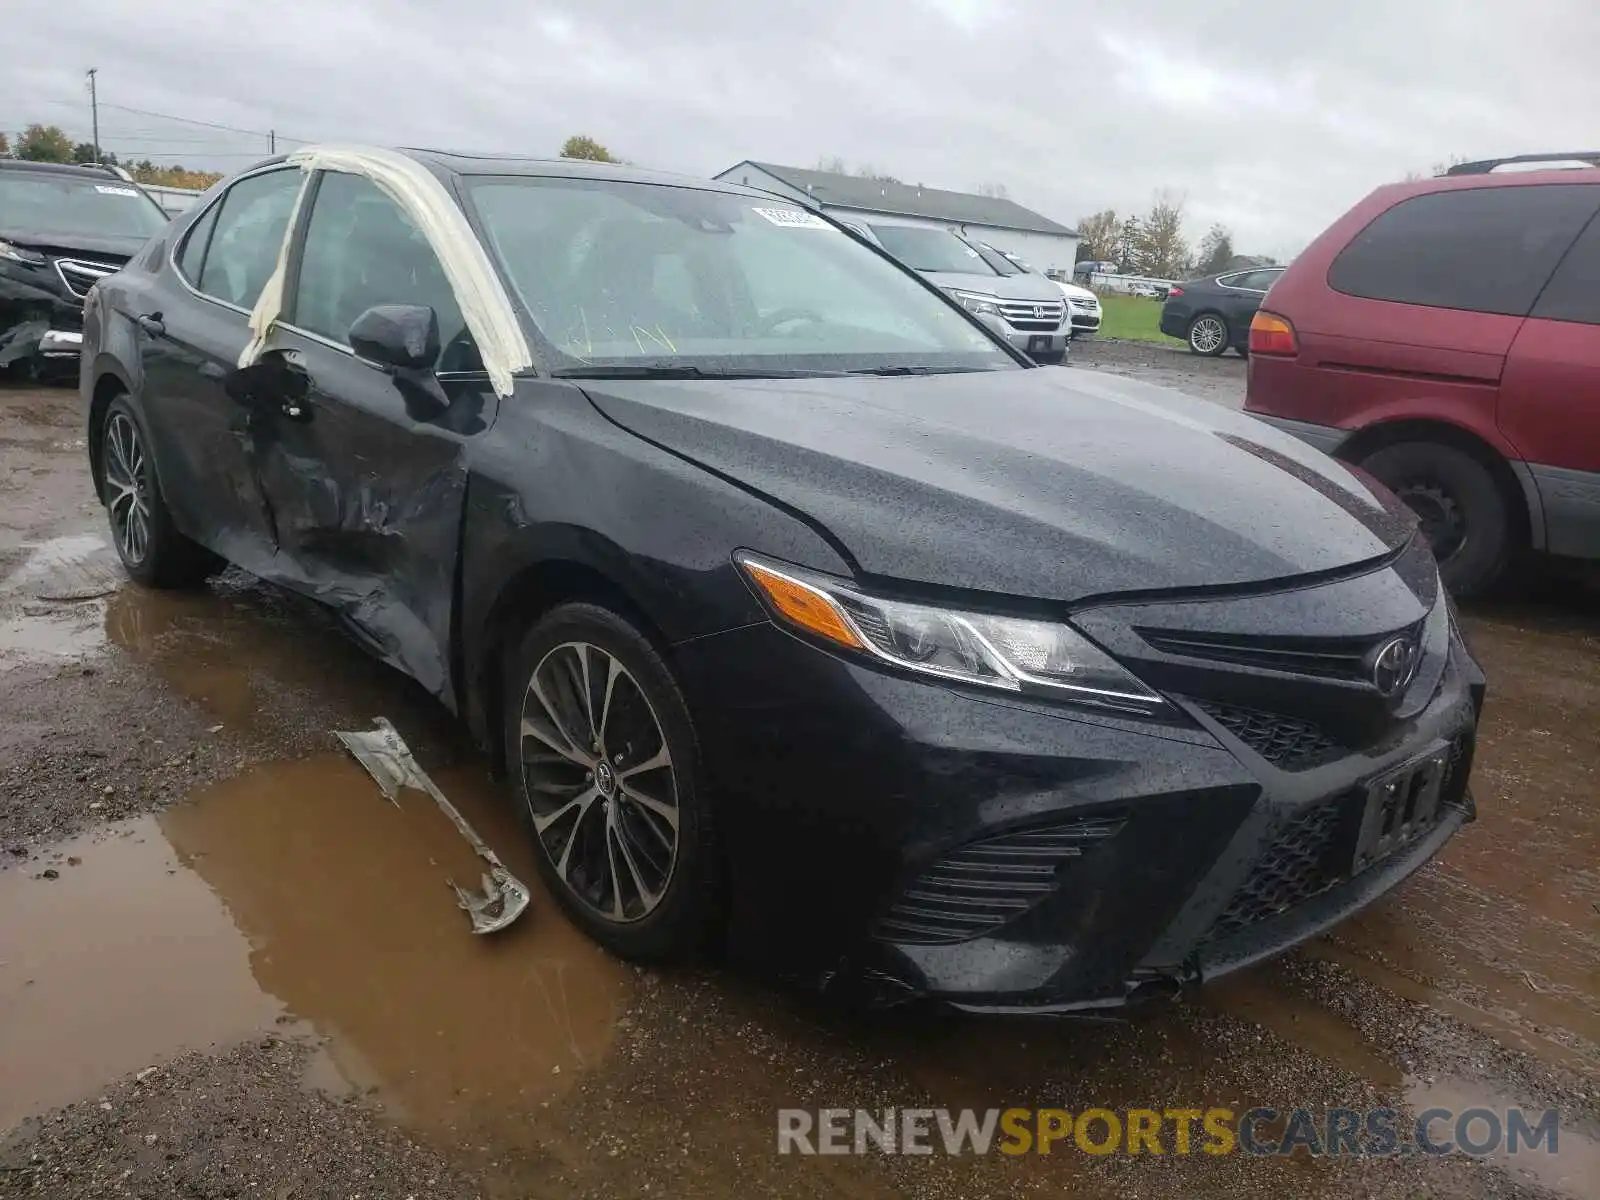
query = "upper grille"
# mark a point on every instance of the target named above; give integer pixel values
(1040, 316)
(978, 887)
(80, 276)
(1328, 658)
(1286, 742)
(1297, 866)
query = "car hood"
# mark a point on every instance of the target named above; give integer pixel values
(102, 245)
(1046, 483)
(1073, 292)
(1006, 287)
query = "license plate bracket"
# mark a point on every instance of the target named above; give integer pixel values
(1040, 342)
(1401, 804)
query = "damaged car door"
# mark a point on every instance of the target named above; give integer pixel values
(363, 470)
(190, 340)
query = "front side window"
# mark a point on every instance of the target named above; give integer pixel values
(362, 250)
(1481, 249)
(633, 273)
(244, 245)
(39, 204)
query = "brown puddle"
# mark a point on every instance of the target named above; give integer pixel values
(335, 901)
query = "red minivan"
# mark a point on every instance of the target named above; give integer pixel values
(1445, 335)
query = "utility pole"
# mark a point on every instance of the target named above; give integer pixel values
(94, 113)
(272, 141)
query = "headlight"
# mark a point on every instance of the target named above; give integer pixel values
(1008, 653)
(979, 304)
(22, 254)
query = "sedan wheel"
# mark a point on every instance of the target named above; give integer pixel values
(127, 477)
(604, 752)
(1208, 335)
(599, 783)
(150, 546)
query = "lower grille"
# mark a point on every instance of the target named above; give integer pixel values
(1300, 863)
(978, 887)
(1286, 742)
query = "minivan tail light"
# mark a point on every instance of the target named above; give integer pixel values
(1272, 334)
(1174, 292)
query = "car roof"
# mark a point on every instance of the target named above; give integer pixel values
(458, 162)
(80, 170)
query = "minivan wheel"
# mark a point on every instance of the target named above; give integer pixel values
(1463, 512)
(1208, 335)
(603, 754)
(152, 550)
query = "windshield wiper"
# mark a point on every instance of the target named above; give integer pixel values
(665, 370)
(923, 370)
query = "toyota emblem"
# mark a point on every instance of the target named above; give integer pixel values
(1394, 666)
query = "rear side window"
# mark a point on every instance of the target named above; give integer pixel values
(247, 236)
(194, 245)
(1573, 293)
(1483, 249)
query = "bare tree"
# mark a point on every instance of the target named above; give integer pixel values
(833, 165)
(995, 191)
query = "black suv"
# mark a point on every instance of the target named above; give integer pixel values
(62, 229)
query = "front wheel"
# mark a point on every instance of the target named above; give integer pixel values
(1208, 335)
(1462, 510)
(603, 754)
(152, 549)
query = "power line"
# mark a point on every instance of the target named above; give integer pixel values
(145, 112)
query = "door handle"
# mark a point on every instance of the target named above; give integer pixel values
(152, 324)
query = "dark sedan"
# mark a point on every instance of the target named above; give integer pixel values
(803, 614)
(61, 229)
(1214, 314)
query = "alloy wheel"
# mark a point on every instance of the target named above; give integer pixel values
(1206, 335)
(127, 480)
(598, 779)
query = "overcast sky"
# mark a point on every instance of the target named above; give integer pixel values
(1271, 119)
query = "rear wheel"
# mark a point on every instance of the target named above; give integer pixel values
(1208, 335)
(602, 751)
(149, 544)
(1464, 513)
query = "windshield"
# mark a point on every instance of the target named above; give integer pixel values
(40, 205)
(931, 250)
(652, 278)
(1001, 264)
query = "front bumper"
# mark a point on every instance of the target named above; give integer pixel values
(1041, 347)
(1085, 320)
(854, 801)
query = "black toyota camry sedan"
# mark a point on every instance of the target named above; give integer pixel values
(807, 618)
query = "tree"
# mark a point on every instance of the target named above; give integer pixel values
(581, 146)
(1128, 246)
(175, 176)
(83, 152)
(1163, 252)
(5, 145)
(833, 165)
(1098, 236)
(1216, 249)
(44, 143)
(995, 191)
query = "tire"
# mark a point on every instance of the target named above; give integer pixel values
(152, 550)
(1208, 334)
(576, 805)
(1465, 514)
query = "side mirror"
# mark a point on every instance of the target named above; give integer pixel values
(405, 336)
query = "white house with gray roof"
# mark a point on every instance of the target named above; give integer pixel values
(1005, 224)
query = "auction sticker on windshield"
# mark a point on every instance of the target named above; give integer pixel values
(793, 218)
(114, 191)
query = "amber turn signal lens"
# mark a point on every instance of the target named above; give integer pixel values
(803, 605)
(1271, 334)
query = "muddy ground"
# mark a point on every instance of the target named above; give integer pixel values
(229, 968)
